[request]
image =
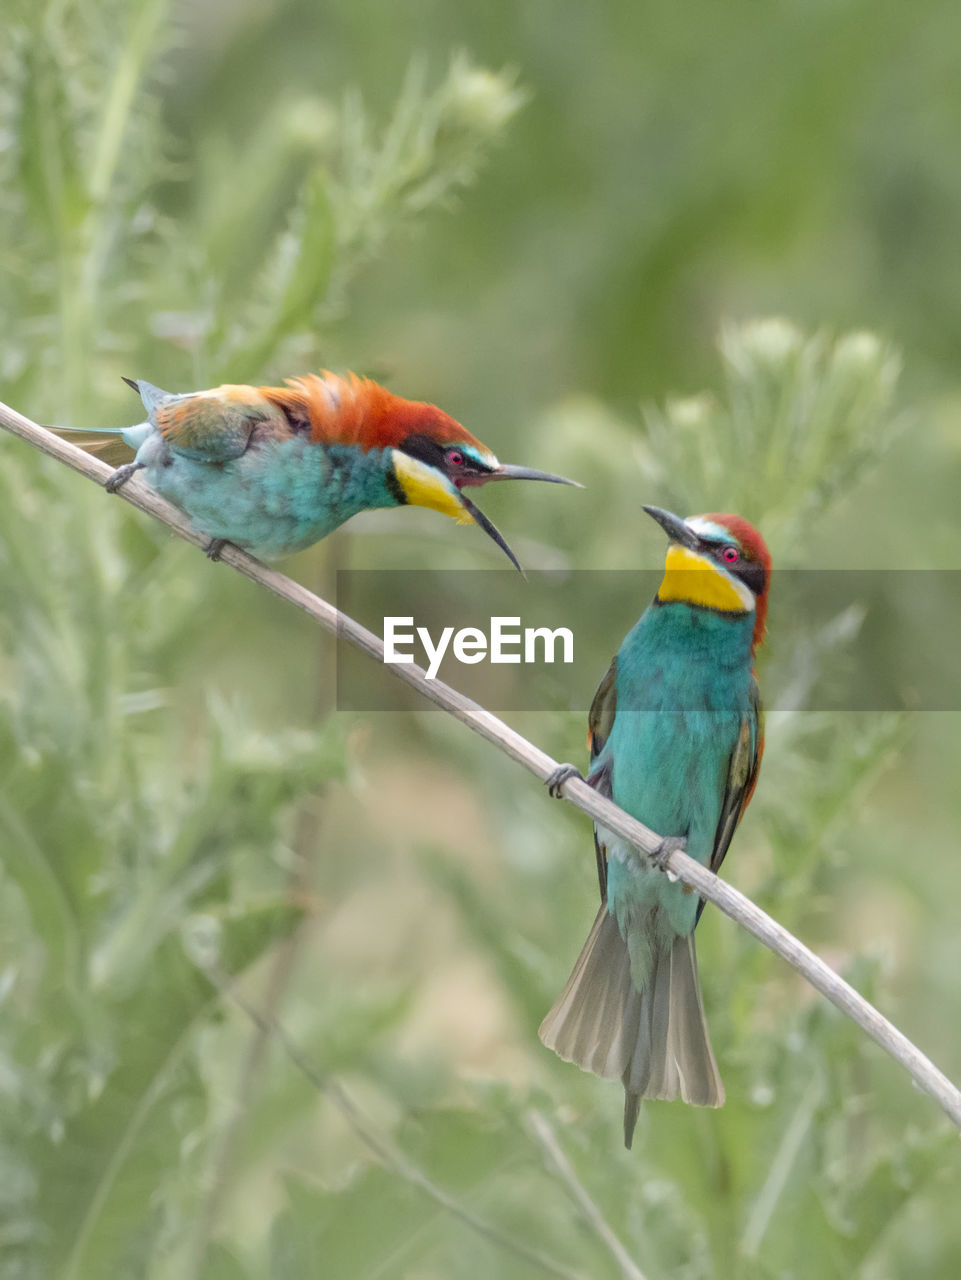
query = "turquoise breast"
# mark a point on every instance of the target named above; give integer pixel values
(684, 687)
(278, 497)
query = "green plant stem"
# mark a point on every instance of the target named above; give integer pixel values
(282, 970)
(389, 1156)
(780, 1170)
(582, 1198)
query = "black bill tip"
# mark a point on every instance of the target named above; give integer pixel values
(491, 530)
(674, 526)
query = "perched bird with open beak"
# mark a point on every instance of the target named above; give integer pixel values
(676, 738)
(275, 469)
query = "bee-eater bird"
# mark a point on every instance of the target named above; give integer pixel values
(275, 469)
(675, 737)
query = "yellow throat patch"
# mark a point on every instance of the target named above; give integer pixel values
(423, 486)
(695, 579)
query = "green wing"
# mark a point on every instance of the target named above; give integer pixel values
(743, 767)
(600, 718)
(600, 721)
(211, 426)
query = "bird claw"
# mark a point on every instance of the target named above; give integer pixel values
(214, 547)
(122, 475)
(669, 845)
(563, 773)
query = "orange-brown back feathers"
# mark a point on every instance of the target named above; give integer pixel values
(358, 411)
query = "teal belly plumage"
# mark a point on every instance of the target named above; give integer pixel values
(684, 688)
(278, 497)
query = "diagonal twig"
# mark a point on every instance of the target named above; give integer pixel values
(588, 1206)
(388, 1155)
(730, 900)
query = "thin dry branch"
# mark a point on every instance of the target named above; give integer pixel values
(733, 903)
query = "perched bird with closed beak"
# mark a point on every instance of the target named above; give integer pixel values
(676, 738)
(275, 469)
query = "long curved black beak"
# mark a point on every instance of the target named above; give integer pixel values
(507, 472)
(676, 529)
(491, 529)
(504, 472)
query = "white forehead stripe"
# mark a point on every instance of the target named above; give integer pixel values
(708, 529)
(483, 456)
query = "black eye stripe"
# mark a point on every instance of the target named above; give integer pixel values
(750, 572)
(424, 449)
(753, 575)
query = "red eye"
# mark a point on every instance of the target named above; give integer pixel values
(455, 457)
(731, 555)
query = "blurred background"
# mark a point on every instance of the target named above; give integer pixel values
(703, 256)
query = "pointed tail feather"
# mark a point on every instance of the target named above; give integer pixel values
(656, 1040)
(672, 1057)
(85, 431)
(107, 442)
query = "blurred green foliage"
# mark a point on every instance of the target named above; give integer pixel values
(233, 191)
